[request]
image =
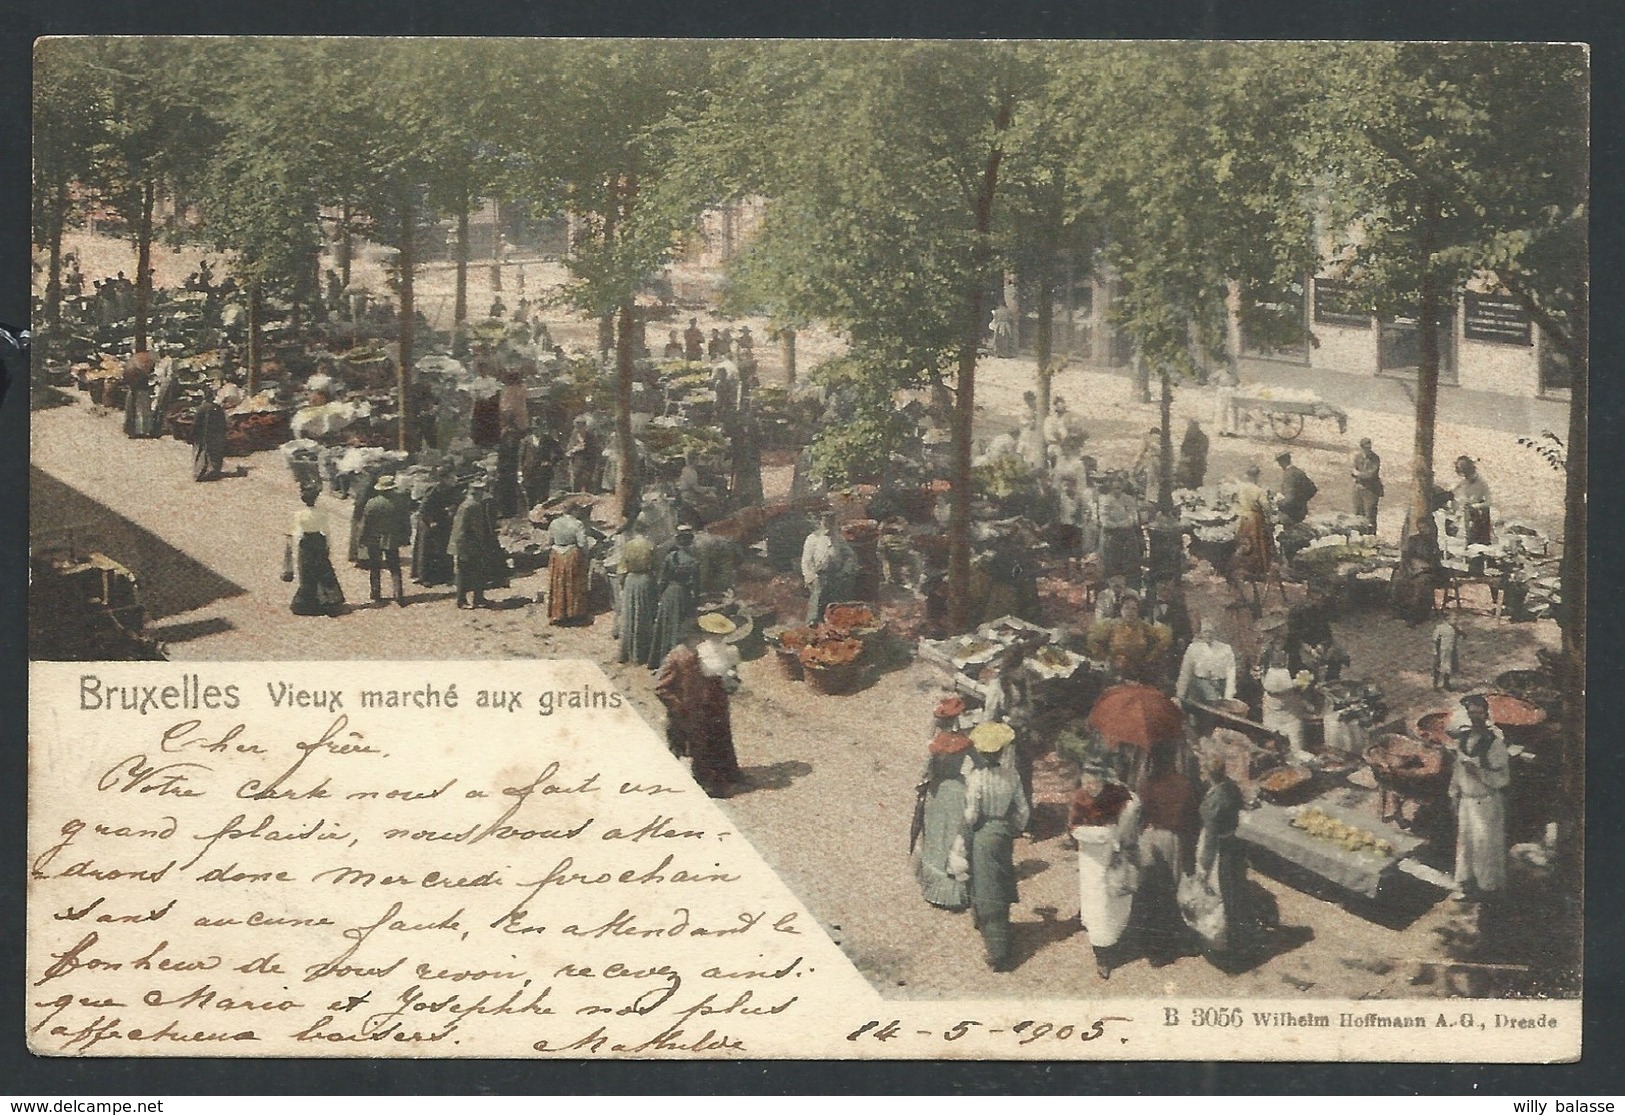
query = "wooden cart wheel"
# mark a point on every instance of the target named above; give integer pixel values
(1286, 426)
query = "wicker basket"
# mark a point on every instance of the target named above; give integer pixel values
(833, 681)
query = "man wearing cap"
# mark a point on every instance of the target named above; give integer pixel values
(940, 810)
(995, 810)
(1478, 784)
(1367, 473)
(1296, 490)
(477, 559)
(694, 683)
(829, 566)
(386, 526)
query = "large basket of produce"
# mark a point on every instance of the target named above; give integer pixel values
(1409, 766)
(832, 666)
(854, 620)
(787, 644)
(1286, 785)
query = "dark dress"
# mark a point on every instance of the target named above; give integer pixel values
(431, 563)
(208, 440)
(678, 575)
(1222, 853)
(697, 719)
(317, 591)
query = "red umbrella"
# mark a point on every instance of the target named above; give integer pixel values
(1136, 714)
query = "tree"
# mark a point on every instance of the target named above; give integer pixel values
(156, 139)
(886, 227)
(1191, 155)
(601, 137)
(68, 123)
(260, 196)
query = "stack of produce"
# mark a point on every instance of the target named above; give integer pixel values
(1350, 838)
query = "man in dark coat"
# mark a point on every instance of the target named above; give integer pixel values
(477, 556)
(693, 342)
(1191, 467)
(1296, 490)
(386, 526)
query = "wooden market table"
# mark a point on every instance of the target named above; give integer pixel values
(1269, 827)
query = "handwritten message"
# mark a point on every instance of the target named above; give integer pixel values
(491, 859)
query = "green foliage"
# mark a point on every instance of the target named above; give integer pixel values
(857, 448)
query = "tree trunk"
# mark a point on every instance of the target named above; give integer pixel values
(53, 284)
(1044, 342)
(1427, 371)
(143, 264)
(1165, 454)
(959, 602)
(1573, 581)
(346, 244)
(628, 493)
(408, 323)
(459, 305)
(788, 337)
(1142, 377)
(255, 357)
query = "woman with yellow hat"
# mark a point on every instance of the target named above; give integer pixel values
(995, 811)
(695, 683)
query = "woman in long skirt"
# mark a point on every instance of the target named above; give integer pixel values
(942, 806)
(1105, 821)
(431, 563)
(637, 614)
(995, 811)
(567, 572)
(678, 576)
(1221, 859)
(308, 563)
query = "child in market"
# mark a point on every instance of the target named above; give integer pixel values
(1446, 652)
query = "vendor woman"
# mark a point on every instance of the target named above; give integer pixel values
(943, 879)
(567, 570)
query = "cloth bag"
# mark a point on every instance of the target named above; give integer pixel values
(1202, 907)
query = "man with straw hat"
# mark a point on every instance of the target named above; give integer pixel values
(694, 683)
(386, 526)
(995, 811)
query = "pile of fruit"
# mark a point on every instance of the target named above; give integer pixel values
(1323, 826)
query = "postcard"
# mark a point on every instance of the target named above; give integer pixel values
(842, 550)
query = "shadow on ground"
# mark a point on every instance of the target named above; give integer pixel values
(775, 776)
(171, 583)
